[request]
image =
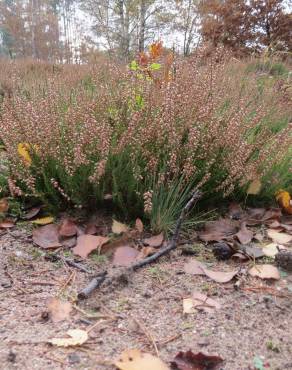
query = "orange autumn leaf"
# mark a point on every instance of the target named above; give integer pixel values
(285, 201)
(155, 49)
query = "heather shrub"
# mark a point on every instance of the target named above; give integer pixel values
(145, 135)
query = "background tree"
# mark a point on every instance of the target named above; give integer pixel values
(246, 25)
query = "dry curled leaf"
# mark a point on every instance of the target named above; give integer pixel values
(31, 213)
(254, 187)
(76, 338)
(43, 221)
(125, 256)
(190, 361)
(4, 205)
(278, 237)
(134, 359)
(244, 235)
(88, 243)
(67, 228)
(59, 310)
(265, 272)
(6, 224)
(119, 228)
(154, 241)
(46, 236)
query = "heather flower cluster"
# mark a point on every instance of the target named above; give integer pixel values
(102, 129)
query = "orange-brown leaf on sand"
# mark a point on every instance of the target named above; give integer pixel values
(88, 243)
(67, 228)
(4, 205)
(46, 236)
(244, 235)
(265, 272)
(59, 310)
(134, 359)
(139, 225)
(219, 230)
(154, 241)
(6, 224)
(199, 361)
(285, 201)
(125, 256)
(195, 267)
(220, 276)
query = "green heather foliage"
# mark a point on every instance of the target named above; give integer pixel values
(105, 129)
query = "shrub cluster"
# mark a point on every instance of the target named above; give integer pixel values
(143, 135)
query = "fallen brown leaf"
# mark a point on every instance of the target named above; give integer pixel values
(219, 230)
(190, 361)
(244, 235)
(134, 359)
(67, 228)
(76, 338)
(265, 272)
(198, 268)
(31, 213)
(59, 310)
(220, 276)
(6, 224)
(125, 256)
(278, 237)
(272, 249)
(88, 243)
(154, 241)
(46, 236)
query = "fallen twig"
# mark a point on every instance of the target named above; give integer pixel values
(148, 335)
(53, 257)
(105, 276)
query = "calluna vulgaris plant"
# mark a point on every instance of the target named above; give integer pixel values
(143, 132)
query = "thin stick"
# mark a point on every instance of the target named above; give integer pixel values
(148, 335)
(104, 276)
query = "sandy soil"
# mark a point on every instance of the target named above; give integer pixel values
(145, 313)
